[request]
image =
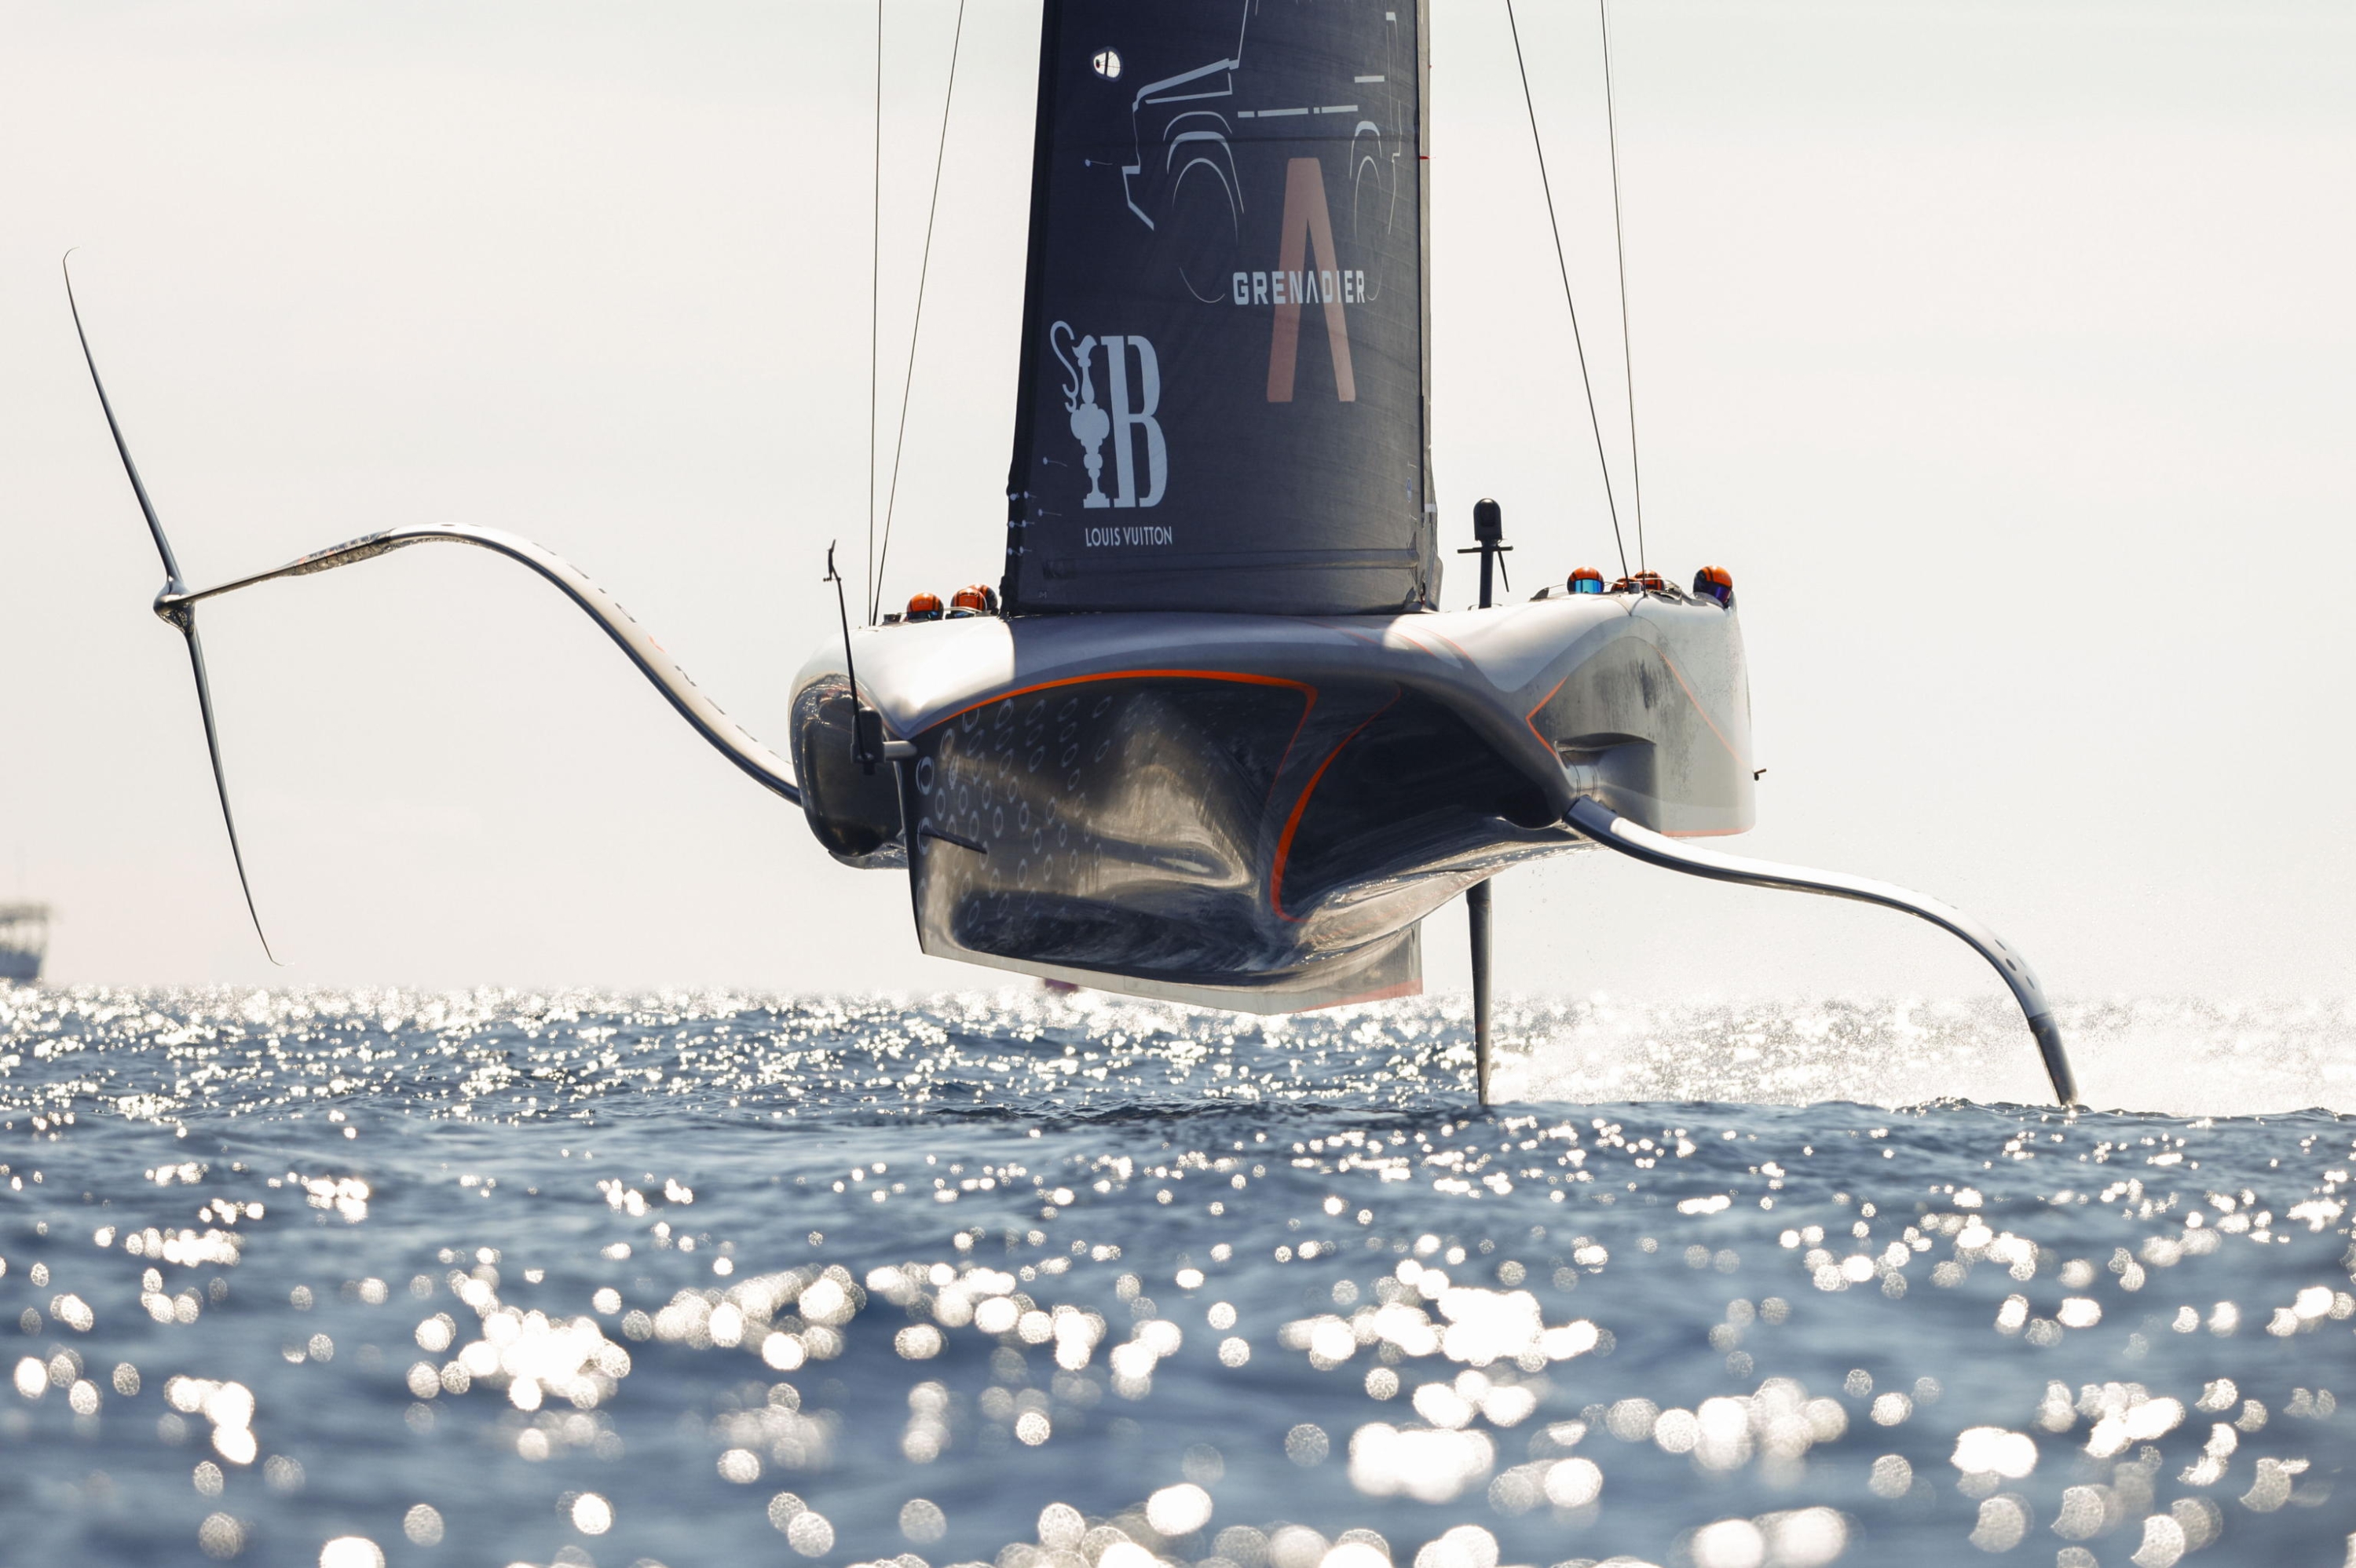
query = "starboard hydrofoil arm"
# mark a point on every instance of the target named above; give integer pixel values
(1614, 831)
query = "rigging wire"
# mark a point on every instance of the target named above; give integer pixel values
(924, 267)
(1594, 421)
(874, 303)
(1620, 248)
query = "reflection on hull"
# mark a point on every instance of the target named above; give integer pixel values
(1261, 822)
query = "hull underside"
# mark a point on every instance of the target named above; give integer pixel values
(1258, 816)
(1217, 839)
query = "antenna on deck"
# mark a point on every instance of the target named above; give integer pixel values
(1489, 537)
(866, 724)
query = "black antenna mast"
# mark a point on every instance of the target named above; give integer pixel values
(866, 724)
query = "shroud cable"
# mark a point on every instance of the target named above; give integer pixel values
(1594, 420)
(874, 303)
(915, 327)
(1620, 248)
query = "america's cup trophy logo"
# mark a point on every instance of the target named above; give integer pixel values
(1134, 373)
(1090, 425)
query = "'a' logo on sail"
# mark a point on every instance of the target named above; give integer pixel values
(1306, 248)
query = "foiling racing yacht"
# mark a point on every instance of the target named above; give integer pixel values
(1212, 737)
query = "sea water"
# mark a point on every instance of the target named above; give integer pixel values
(351, 1279)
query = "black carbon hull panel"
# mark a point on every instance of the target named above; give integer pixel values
(1247, 838)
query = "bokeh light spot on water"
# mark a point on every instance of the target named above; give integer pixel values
(422, 1525)
(591, 1514)
(922, 1521)
(809, 1533)
(352, 1552)
(1178, 1510)
(1053, 1285)
(220, 1535)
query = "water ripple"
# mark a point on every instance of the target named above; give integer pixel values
(380, 1278)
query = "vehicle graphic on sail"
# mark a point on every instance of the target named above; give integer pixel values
(1181, 179)
(1212, 737)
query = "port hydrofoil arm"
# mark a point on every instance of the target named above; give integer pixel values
(184, 621)
(653, 661)
(1614, 831)
(178, 605)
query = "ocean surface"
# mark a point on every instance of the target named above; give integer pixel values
(367, 1278)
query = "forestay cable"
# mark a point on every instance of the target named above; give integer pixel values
(924, 270)
(874, 302)
(1620, 248)
(1593, 421)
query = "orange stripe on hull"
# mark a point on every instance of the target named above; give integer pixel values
(1292, 823)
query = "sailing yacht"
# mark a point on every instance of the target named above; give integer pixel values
(24, 942)
(1211, 737)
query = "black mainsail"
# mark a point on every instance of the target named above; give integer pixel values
(1224, 325)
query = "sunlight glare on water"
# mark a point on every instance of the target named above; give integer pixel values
(356, 1280)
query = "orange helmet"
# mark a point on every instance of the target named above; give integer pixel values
(923, 606)
(1586, 579)
(1715, 583)
(974, 599)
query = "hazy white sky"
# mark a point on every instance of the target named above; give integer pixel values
(2002, 350)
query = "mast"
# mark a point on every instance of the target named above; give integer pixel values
(1423, 280)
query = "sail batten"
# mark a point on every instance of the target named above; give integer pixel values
(1224, 365)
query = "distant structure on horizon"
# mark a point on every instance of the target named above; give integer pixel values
(24, 942)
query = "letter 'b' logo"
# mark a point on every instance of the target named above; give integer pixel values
(1135, 401)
